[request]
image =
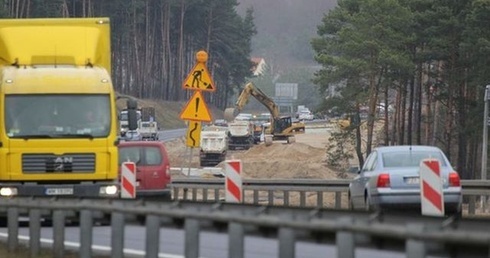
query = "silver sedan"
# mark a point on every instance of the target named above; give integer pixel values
(390, 179)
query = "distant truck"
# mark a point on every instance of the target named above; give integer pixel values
(123, 125)
(147, 125)
(240, 135)
(214, 145)
(58, 120)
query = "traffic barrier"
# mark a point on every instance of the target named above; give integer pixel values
(128, 180)
(233, 182)
(432, 198)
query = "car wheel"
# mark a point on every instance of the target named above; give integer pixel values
(351, 203)
(367, 204)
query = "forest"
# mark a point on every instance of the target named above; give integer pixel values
(427, 59)
(154, 42)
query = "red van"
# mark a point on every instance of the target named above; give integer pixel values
(152, 168)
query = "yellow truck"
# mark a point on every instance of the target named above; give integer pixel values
(58, 118)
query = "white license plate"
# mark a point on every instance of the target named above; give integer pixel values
(412, 180)
(59, 191)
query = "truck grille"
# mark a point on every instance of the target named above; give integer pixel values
(66, 163)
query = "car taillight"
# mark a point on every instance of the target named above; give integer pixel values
(383, 181)
(454, 179)
(167, 171)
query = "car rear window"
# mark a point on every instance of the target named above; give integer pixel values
(146, 156)
(410, 159)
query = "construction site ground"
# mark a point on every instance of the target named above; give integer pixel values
(305, 158)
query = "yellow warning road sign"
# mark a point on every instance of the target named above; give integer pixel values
(194, 134)
(196, 109)
(199, 79)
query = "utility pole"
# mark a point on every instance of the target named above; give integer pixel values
(484, 153)
(485, 135)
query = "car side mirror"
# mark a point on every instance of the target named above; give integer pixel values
(354, 170)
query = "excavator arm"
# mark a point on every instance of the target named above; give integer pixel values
(251, 90)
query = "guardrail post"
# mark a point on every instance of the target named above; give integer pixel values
(152, 236)
(117, 233)
(86, 224)
(194, 194)
(35, 231)
(58, 233)
(415, 248)
(270, 197)
(191, 227)
(338, 200)
(13, 228)
(287, 240)
(471, 205)
(302, 199)
(345, 240)
(286, 198)
(319, 199)
(236, 240)
(176, 193)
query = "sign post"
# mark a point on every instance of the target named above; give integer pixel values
(196, 110)
(484, 152)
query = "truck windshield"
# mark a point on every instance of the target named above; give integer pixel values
(57, 116)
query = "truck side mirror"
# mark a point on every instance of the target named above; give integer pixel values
(132, 115)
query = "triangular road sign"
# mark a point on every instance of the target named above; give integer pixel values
(193, 134)
(199, 79)
(196, 109)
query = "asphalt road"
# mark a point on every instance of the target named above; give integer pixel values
(212, 245)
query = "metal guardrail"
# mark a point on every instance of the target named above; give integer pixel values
(416, 235)
(299, 192)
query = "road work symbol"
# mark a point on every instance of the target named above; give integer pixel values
(196, 109)
(199, 79)
(194, 134)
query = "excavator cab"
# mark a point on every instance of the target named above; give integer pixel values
(281, 124)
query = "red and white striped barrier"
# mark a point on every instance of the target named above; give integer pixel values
(432, 198)
(128, 180)
(233, 182)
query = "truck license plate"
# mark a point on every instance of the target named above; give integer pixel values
(59, 191)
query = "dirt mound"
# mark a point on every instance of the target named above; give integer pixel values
(278, 161)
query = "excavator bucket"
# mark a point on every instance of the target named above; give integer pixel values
(230, 114)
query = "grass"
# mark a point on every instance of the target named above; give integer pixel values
(168, 112)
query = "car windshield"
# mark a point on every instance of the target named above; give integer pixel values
(410, 159)
(151, 155)
(57, 116)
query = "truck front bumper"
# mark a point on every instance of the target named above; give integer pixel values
(105, 190)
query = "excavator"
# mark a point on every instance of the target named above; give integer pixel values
(280, 128)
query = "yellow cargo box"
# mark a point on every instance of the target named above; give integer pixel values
(63, 41)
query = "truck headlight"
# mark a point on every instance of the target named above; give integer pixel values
(8, 191)
(108, 190)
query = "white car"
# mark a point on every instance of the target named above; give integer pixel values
(132, 136)
(305, 115)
